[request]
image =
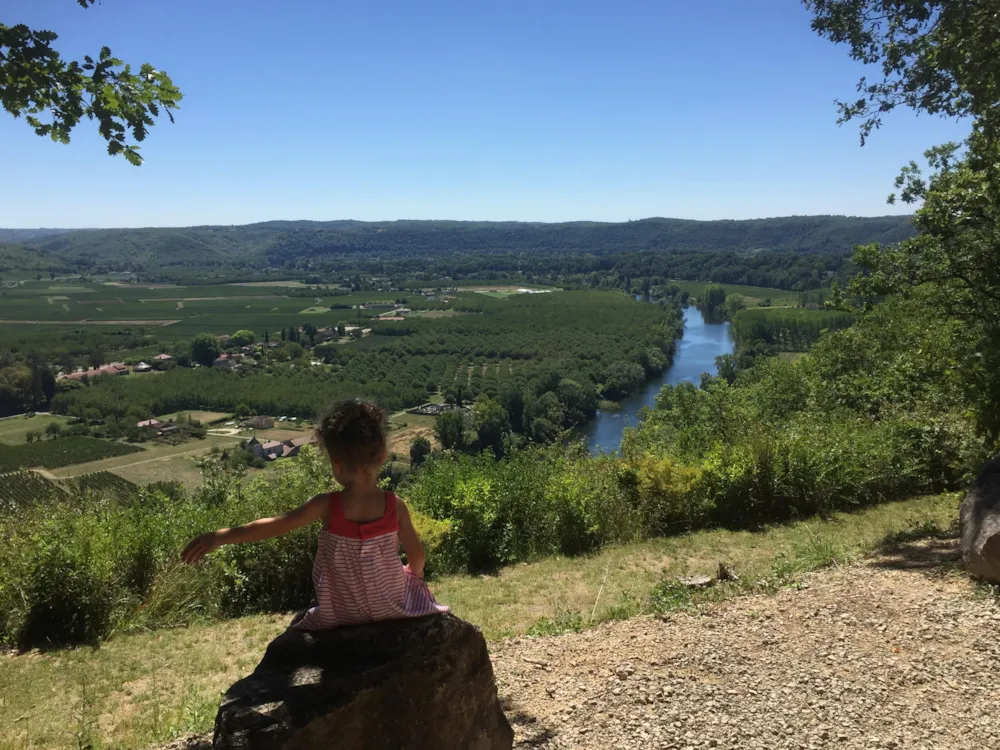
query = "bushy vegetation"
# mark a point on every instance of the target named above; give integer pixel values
(64, 451)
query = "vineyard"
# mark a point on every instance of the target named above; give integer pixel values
(51, 454)
(20, 488)
(105, 484)
(787, 329)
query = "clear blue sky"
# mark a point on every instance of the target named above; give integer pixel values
(547, 110)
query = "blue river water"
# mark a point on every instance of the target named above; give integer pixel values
(696, 353)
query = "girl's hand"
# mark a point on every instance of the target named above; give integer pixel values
(199, 547)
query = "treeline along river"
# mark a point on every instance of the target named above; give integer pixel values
(696, 353)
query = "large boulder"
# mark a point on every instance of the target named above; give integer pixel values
(980, 520)
(420, 684)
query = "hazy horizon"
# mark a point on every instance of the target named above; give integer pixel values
(458, 221)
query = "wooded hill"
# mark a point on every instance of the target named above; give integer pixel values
(292, 243)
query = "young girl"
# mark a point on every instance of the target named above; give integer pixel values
(357, 573)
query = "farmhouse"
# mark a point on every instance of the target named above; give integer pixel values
(115, 368)
(163, 358)
(151, 424)
(143, 367)
(275, 449)
(224, 339)
(225, 362)
(261, 422)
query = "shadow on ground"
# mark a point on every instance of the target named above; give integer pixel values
(528, 731)
(937, 553)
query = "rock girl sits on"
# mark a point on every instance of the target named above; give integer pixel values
(357, 573)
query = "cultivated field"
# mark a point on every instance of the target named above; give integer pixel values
(752, 294)
(125, 466)
(14, 430)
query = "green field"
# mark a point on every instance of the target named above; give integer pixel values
(65, 451)
(14, 430)
(60, 316)
(127, 466)
(779, 297)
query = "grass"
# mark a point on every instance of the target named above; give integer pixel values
(153, 452)
(521, 596)
(181, 469)
(13, 430)
(148, 688)
(205, 417)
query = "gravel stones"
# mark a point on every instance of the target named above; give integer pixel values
(880, 655)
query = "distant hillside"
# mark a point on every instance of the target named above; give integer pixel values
(280, 243)
(26, 235)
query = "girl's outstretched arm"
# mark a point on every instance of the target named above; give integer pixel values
(415, 556)
(265, 528)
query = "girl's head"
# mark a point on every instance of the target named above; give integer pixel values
(353, 434)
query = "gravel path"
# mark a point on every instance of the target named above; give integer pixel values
(888, 654)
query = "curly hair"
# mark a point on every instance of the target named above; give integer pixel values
(354, 433)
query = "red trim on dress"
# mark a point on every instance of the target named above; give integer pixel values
(387, 524)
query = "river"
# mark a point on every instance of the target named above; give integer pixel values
(696, 353)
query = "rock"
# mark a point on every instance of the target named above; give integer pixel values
(696, 582)
(421, 684)
(980, 520)
(725, 574)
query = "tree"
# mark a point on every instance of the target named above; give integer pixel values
(182, 353)
(490, 422)
(941, 58)
(937, 56)
(243, 337)
(54, 95)
(734, 304)
(267, 337)
(242, 411)
(30, 436)
(205, 349)
(450, 429)
(342, 329)
(420, 449)
(96, 357)
(53, 430)
(513, 403)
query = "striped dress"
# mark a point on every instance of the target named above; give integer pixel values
(358, 575)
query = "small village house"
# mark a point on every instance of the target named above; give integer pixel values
(272, 450)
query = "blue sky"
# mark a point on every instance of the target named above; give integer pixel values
(522, 110)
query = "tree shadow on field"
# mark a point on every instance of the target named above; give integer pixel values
(928, 548)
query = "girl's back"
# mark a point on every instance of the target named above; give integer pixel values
(357, 573)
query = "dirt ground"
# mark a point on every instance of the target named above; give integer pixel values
(892, 653)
